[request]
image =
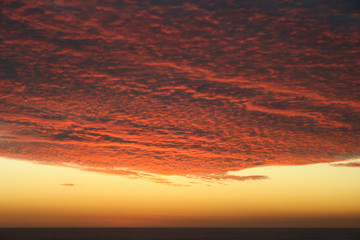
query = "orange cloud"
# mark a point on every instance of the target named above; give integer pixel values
(67, 184)
(180, 89)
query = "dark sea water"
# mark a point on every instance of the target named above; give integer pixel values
(179, 233)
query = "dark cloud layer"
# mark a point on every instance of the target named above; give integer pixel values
(180, 87)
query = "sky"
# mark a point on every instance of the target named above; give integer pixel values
(180, 113)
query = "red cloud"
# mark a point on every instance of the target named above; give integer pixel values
(184, 89)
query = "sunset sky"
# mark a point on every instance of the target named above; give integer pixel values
(194, 113)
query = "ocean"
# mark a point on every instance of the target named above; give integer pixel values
(180, 233)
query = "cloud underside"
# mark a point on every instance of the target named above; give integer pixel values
(187, 88)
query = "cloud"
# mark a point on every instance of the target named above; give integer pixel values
(183, 89)
(348, 164)
(225, 178)
(67, 184)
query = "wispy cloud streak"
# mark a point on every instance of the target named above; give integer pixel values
(67, 184)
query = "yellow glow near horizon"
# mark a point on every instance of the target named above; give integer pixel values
(33, 195)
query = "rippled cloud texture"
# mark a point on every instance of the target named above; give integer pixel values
(180, 87)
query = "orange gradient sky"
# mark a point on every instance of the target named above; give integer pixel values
(179, 113)
(318, 195)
